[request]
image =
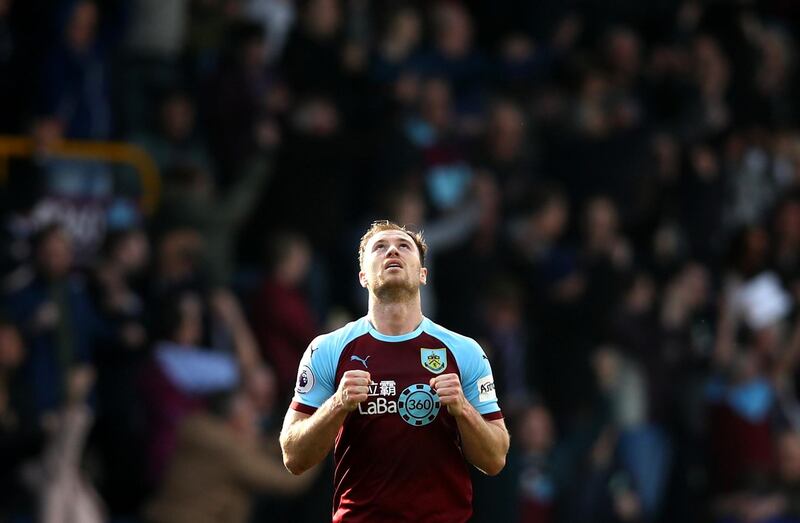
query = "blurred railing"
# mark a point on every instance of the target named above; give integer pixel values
(110, 152)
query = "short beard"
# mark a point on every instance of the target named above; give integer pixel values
(395, 292)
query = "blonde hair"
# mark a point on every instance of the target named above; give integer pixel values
(387, 225)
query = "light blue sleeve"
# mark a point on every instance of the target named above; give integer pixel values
(477, 381)
(316, 373)
(476, 378)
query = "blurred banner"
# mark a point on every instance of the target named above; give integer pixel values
(88, 187)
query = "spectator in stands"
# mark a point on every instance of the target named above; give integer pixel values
(769, 101)
(454, 57)
(606, 256)
(643, 450)
(240, 117)
(180, 373)
(701, 209)
(740, 395)
(622, 54)
(183, 370)
(431, 145)
(316, 39)
(509, 343)
(57, 318)
(218, 466)
(178, 265)
(65, 493)
(74, 82)
(538, 482)
(753, 187)
(395, 53)
(708, 112)
(607, 493)
(507, 153)
(153, 44)
(175, 143)
(193, 203)
(119, 293)
(283, 319)
(118, 283)
(550, 273)
(21, 438)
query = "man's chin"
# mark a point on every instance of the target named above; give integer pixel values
(395, 289)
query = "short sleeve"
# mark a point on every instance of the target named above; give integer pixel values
(477, 381)
(315, 376)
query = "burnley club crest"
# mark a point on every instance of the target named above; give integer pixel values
(435, 360)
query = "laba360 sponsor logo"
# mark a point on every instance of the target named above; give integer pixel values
(417, 405)
(379, 402)
(378, 406)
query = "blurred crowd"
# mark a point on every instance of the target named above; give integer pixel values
(610, 192)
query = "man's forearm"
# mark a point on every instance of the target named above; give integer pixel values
(306, 442)
(485, 443)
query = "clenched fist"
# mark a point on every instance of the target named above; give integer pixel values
(448, 387)
(353, 389)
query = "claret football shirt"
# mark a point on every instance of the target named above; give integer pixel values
(398, 456)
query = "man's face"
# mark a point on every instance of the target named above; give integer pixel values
(391, 265)
(55, 255)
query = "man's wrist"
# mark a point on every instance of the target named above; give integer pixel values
(464, 410)
(338, 406)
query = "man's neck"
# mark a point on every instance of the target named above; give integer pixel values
(395, 318)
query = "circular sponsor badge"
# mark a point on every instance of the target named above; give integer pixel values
(418, 404)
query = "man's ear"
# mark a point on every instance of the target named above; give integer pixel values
(423, 276)
(362, 278)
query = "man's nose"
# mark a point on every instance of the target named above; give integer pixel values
(392, 250)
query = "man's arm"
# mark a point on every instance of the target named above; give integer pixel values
(227, 308)
(485, 443)
(307, 439)
(262, 471)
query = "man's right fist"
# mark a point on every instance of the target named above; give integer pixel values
(353, 389)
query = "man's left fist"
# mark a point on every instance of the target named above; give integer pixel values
(448, 387)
